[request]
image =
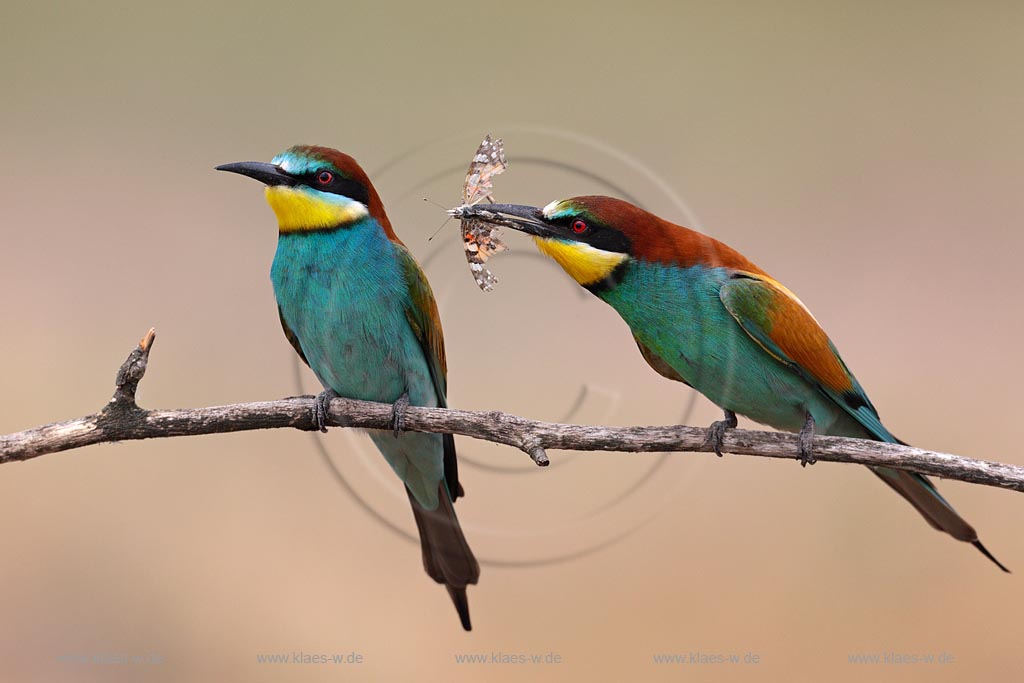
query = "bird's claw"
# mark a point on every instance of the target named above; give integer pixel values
(716, 432)
(321, 410)
(807, 443)
(398, 414)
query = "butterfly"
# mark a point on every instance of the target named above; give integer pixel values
(481, 239)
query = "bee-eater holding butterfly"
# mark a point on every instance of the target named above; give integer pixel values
(359, 311)
(703, 314)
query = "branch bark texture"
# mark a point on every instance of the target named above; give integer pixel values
(123, 420)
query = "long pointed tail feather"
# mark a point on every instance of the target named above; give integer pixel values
(446, 554)
(920, 492)
(984, 551)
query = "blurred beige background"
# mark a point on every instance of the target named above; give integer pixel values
(869, 156)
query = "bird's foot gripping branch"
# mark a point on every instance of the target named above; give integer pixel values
(122, 419)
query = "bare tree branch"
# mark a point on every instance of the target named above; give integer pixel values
(123, 420)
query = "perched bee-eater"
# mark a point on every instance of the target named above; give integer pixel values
(703, 314)
(359, 311)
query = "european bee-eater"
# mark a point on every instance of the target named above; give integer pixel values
(703, 314)
(358, 310)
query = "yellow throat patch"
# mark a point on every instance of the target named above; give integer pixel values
(584, 264)
(300, 209)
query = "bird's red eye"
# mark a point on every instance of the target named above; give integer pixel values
(325, 177)
(579, 226)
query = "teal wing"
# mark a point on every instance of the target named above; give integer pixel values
(779, 322)
(421, 312)
(782, 325)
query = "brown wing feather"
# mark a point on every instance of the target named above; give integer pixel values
(765, 307)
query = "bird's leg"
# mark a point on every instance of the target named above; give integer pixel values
(807, 442)
(716, 432)
(398, 413)
(320, 408)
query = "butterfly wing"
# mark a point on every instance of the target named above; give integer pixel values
(480, 239)
(488, 162)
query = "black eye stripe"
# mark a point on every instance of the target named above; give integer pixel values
(597, 234)
(339, 185)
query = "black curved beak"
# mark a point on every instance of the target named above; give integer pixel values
(268, 174)
(528, 219)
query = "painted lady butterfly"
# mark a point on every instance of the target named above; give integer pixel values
(481, 239)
